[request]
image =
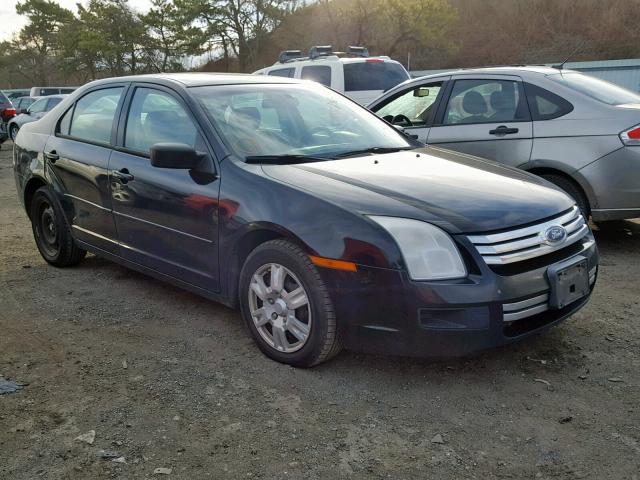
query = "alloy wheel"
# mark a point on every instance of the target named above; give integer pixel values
(280, 308)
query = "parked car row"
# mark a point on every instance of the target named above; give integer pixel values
(18, 101)
(323, 223)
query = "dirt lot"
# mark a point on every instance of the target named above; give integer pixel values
(170, 380)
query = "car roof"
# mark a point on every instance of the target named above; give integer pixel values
(504, 70)
(200, 79)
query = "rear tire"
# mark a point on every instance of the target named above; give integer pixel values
(296, 329)
(571, 189)
(51, 231)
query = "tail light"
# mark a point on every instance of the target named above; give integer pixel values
(631, 137)
(8, 113)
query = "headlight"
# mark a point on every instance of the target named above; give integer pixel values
(429, 253)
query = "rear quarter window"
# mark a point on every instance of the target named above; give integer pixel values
(545, 105)
(373, 75)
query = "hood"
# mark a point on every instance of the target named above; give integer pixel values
(458, 192)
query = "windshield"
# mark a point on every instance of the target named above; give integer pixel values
(595, 88)
(290, 119)
(373, 74)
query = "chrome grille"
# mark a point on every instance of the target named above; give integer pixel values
(529, 242)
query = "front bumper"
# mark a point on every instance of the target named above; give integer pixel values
(383, 311)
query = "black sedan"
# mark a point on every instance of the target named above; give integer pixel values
(324, 224)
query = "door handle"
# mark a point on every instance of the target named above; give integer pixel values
(123, 175)
(52, 156)
(502, 130)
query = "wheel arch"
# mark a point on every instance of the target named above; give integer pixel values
(246, 243)
(575, 178)
(30, 188)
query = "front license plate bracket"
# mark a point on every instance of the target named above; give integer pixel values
(568, 281)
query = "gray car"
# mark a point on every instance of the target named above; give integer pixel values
(36, 110)
(578, 132)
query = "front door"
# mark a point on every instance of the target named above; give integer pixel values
(487, 117)
(413, 109)
(167, 219)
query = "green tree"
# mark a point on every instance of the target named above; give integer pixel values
(171, 36)
(37, 47)
(116, 34)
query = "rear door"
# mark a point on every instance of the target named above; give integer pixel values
(167, 219)
(78, 157)
(486, 116)
(413, 109)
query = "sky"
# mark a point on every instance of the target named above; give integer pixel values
(12, 22)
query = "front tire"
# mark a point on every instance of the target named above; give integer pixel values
(51, 231)
(286, 305)
(13, 132)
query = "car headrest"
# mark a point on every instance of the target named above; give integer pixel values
(502, 101)
(473, 103)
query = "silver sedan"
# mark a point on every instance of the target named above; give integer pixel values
(578, 132)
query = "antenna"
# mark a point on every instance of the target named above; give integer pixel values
(576, 50)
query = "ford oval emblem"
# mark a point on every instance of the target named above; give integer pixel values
(554, 235)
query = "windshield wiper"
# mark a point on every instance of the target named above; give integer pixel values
(285, 159)
(377, 150)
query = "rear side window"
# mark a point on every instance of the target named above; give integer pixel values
(373, 75)
(545, 105)
(486, 101)
(317, 73)
(283, 72)
(3, 98)
(93, 115)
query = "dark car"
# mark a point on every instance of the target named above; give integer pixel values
(324, 224)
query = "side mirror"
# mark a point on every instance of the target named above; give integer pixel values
(175, 155)
(421, 92)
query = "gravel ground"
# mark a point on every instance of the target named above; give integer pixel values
(169, 380)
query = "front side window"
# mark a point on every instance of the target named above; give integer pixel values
(257, 120)
(486, 101)
(595, 88)
(38, 106)
(93, 115)
(283, 72)
(157, 117)
(317, 73)
(416, 105)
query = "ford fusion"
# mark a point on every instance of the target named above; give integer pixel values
(326, 226)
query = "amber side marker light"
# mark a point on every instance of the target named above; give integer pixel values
(335, 264)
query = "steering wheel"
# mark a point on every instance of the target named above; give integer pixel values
(402, 120)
